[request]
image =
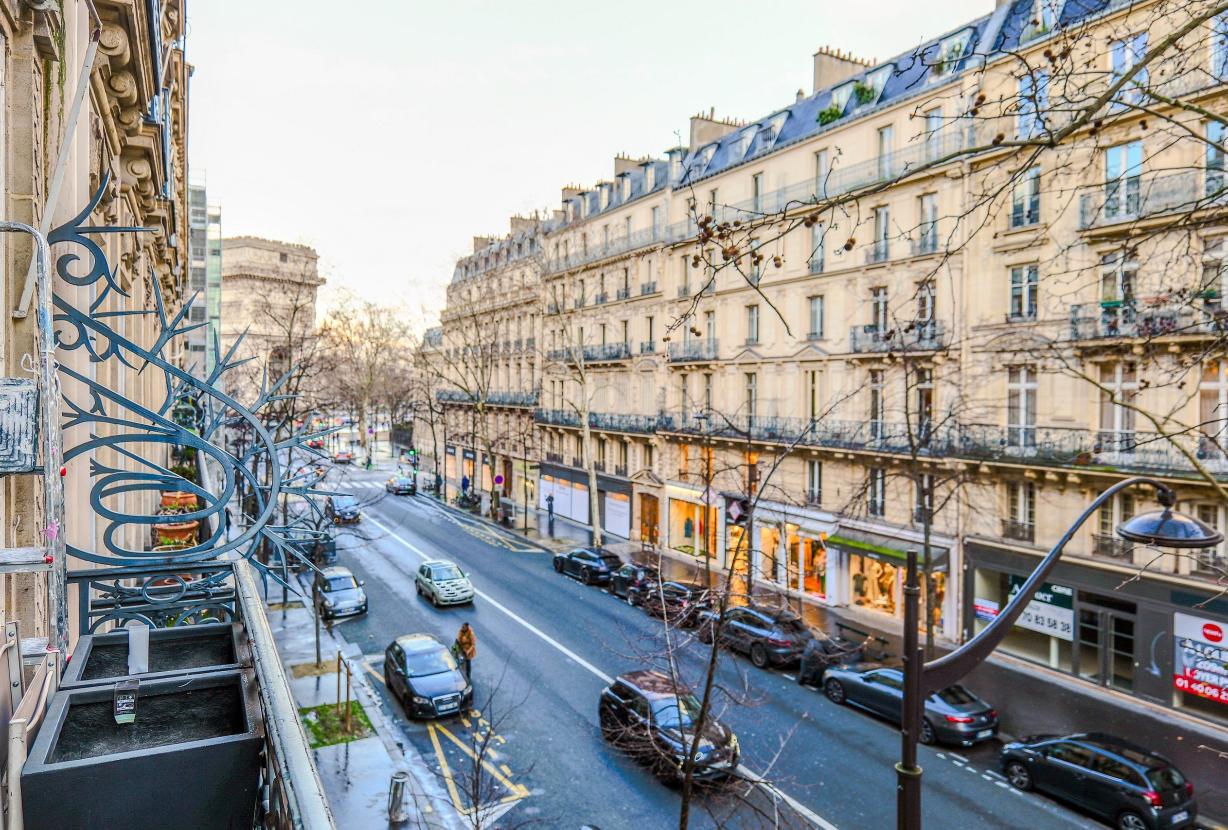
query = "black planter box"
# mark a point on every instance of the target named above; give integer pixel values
(187, 649)
(190, 761)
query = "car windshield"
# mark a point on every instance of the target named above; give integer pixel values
(404, 480)
(342, 502)
(611, 560)
(1165, 779)
(675, 712)
(341, 583)
(956, 696)
(793, 626)
(439, 574)
(422, 663)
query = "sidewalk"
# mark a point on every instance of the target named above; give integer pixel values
(356, 775)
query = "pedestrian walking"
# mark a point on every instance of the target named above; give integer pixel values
(465, 648)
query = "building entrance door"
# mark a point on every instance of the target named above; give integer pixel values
(1104, 646)
(649, 519)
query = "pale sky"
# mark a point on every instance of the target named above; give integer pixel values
(386, 134)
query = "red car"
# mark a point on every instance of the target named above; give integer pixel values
(343, 457)
(316, 443)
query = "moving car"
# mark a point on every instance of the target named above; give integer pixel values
(1113, 779)
(823, 650)
(343, 457)
(679, 603)
(587, 565)
(654, 718)
(343, 509)
(631, 581)
(315, 443)
(400, 485)
(422, 673)
(443, 583)
(770, 636)
(340, 593)
(952, 715)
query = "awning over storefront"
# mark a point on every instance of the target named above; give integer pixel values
(889, 549)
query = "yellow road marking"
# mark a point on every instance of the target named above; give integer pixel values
(486, 765)
(506, 769)
(374, 674)
(445, 769)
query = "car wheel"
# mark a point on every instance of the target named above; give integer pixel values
(434, 599)
(630, 598)
(558, 566)
(927, 733)
(834, 690)
(586, 576)
(1130, 820)
(704, 634)
(759, 655)
(418, 588)
(1018, 775)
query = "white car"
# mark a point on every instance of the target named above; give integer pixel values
(443, 583)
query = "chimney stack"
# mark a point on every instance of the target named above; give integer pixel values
(706, 127)
(831, 66)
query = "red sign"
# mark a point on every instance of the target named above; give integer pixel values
(1212, 633)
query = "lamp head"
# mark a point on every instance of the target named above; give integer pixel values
(1167, 529)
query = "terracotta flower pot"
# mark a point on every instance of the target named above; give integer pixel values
(178, 498)
(177, 531)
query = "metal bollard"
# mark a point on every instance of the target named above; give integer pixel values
(396, 797)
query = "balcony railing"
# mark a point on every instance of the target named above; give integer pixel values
(620, 470)
(608, 421)
(622, 293)
(879, 251)
(693, 351)
(554, 457)
(512, 398)
(1144, 319)
(648, 347)
(607, 352)
(1019, 531)
(1133, 198)
(908, 337)
(684, 291)
(1103, 450)
(601, 299)
(453, 396)
(647, 288)
(926, 244)
(1110, 547)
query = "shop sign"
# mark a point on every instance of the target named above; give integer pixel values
(1051, 610)
(469, 455)
(1200, 657)
(986, 609)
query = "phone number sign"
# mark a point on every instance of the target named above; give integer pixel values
(1200, 657)
(1051, 610)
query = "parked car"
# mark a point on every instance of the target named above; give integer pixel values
(443, 583)
(654, 719)
(340, 593)
(343, 457)
(587, 565)
(1113, 779)
(680, 603)
(823, 650)
(771, 637)
(343, 509)
(952, 715)
(400, 485)
(421, 672)
(632, 581)
(315, 443)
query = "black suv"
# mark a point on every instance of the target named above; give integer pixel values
(653, 718)
(587, 565)
(679, 603)
(632, 581)
(421, 672)
(1111, 778)
(772, 637)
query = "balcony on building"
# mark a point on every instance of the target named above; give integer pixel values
(512, 399)
(1111, 547)
(878, 251)
(601, 299)
(648, 288)
(1141, 197)
(926, 243)
(648, 347)
(453, 396)
(694, 351)
(607, 352)
(622, 294)
(1148, 318)
(908, 337)
(684, 291)
(1018, 531)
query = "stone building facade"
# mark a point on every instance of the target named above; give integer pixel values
(879, 319)
(131, 135)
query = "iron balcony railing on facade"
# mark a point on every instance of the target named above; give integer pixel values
(530, 343)
(512, 398)
(552, 308)
(648, 347)
(453, 396)
(1132, 198)
(1210, 562)
(601, 299)
(906, 337)
(578, 302)
(557, 417)
(694, 351)
(1019, 531)
(554, 457)
(1111, 547)
(643, 238)
(647, 288)
(815, 265)
(607, 351)
(684, 291)
(622, 293)
(878, 251)
(608, 421)
(927, 243)
(1145, 319)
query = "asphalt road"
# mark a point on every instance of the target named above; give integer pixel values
(546, 645)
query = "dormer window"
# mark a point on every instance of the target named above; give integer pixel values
(869, 90)
(745, 138)
(1044, 19)
(626, 187)
(772, 129)
(950, 52)
(840, 96)
(702, 159)
(648, 177)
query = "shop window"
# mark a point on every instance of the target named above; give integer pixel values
(769, 553)
(873, 584)
(1044, 635)
(814, 568)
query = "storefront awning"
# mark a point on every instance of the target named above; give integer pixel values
(889, 549)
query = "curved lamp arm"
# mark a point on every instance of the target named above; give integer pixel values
(951, 667)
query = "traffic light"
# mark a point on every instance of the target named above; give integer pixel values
(413, 457)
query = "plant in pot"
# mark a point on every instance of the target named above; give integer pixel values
(183, 533)
(830, 114)
(864, 93)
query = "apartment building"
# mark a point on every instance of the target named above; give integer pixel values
(483, 360)
(204, 279)
(888, 316)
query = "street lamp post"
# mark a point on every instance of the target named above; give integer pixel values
(1159, 528)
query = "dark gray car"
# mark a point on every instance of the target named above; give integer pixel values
(769, 636)
(953, 715)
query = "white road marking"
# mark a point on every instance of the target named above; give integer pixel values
(801, 809)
